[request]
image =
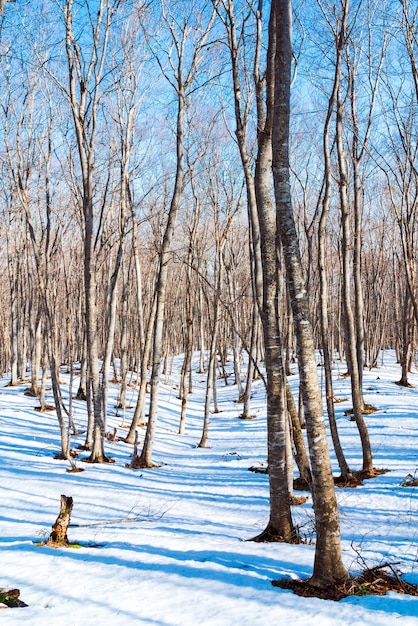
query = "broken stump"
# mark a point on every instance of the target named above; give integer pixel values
(58, 537)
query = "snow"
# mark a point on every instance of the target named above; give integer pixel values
(167, 547)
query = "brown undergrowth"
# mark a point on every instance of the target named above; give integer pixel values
(358, 477)
(372, 582)
(355, 480)
(368, 409)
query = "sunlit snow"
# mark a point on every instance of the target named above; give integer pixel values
(167, 546)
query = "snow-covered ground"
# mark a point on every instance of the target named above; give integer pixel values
(167, 546)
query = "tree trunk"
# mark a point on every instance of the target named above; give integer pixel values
(280, 526)
(145, 459)
(252, 355)
(340, 39)
(350, 333)
(300, 454)
(328, 566)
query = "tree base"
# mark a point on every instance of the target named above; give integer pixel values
(355, 479)
(404, 383)
(63, 457)
(138, 463)
(32, 393)
(258, 470)
(372, 582)
(300, 484)
(272, 535)
(98, 459)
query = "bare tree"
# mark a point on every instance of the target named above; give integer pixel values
(340, 35)
(264, 248)
(85, 72)
(182, 79)
(328, 566)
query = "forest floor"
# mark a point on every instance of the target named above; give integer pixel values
(166, 546)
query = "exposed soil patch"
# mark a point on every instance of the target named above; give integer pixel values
(300, 484)
(367, 410)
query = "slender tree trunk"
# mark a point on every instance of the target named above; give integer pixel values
(160, 291)
(211, 369)
(358, 290)
(188, 349)
(300, 454)
(139, 413)
(322, 247)
(407, 332)
(350, 336)
(252, 355)
(36, 353)
(201, 330)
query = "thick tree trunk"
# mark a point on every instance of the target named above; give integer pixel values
(99, 426)
(328, 566)
(280, 526)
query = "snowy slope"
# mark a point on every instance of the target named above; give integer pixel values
(167, 546)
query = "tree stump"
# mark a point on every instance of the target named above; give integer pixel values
(10, 598)
(58, 537)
